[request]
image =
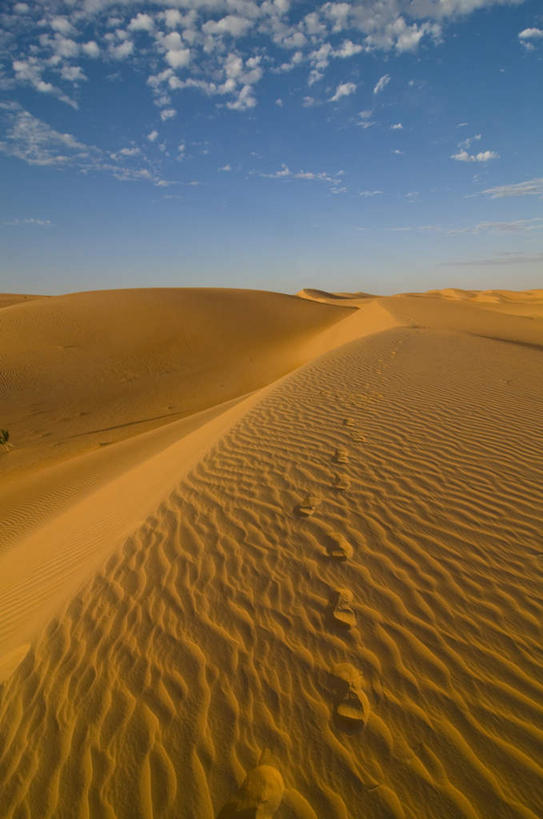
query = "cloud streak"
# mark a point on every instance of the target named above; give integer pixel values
(35, 142)
(382, 83)
(532, 187)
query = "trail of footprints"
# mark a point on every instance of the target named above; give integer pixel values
(353, 707)
(263, 789)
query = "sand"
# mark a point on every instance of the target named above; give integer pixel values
(266, 555)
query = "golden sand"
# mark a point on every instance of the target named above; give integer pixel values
(271, 556)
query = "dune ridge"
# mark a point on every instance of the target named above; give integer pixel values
(335, 609)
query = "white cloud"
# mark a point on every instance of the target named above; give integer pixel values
(482, 156)
(338, 14)
(122, 51)
(244, 100)
(179, 58)
(30, 71)
(382, 83)
(508, 258)
(91, 49)
(279, 102)
(313, 176)
(515, 226)
(343, 90)
(231, 24)
(167, 113)
(467, 142)
(226, 168)
(532, 187)
(396, 127)
(529, 37)
(172, 41)
(195, 35)
(64, 46)
(365, 119)
(172, 18)
(295, 40)
(152, 135)
(63, 25)
(28, 221)
(28, 138)
(72, 73)
(531, 34)
(368, 194)
(397, 152)
(141, 22)
(348, 49)
(313, 25)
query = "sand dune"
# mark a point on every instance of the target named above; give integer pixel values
(7, 299)
(333, 298)
(322, 599)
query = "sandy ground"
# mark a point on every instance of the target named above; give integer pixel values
(267, 555)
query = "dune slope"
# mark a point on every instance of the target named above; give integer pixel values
(344, 594)
(90, 369)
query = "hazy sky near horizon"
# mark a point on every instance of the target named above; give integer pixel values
(381, 146)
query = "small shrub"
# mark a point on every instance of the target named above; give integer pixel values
(4, 437)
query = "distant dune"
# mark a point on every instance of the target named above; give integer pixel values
(324, 296)
(7, 299)
(266, 555)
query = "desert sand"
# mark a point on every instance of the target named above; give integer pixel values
(271, 556)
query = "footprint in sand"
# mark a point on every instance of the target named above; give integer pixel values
(342, 611)
(358, 436)
(338, 547)
(259, 796)
(341, 482)
(341, 456)
(307, 507)
(353, 707)
(348, 422)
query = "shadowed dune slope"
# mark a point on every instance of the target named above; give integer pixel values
(81, 370)
(62, 452)
(335, 613)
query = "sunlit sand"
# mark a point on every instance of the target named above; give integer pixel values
(267, 555)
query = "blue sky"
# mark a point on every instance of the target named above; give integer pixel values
(381, 146)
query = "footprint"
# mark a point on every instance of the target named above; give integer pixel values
(348, 422)
(339, 547)
(341, 482)
(307, 507)
(358, 436)
(259, 796)
(342, 611)
(341, 456)
(353, 707)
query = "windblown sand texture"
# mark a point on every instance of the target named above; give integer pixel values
(272, 556)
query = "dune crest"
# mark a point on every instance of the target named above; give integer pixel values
(323, 600)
